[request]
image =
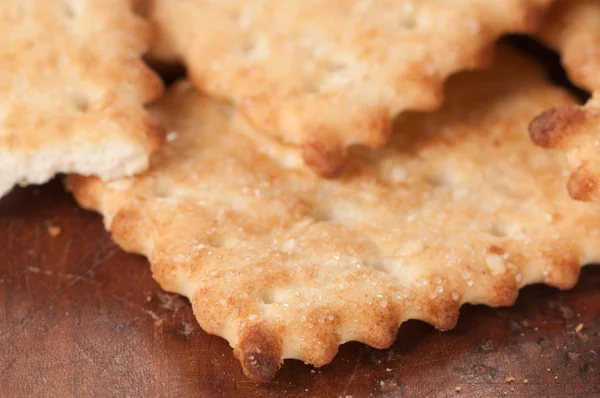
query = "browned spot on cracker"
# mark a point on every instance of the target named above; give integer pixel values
(493, 249)
(553, 127)
(259, 351)
(325, 158)
(444, 314)
(582, 185)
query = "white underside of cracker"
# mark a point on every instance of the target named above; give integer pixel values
(106, 160)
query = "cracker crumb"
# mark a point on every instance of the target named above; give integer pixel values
(525, 381)
(388, 369)
(457, 389)
(313, 371)
(509, 379)
(148, 298)
(579, 328)
(54, 231)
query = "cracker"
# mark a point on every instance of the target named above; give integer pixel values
(573, 29)
(460, 208)
(574, 130)
(72, 92)
(324, 75)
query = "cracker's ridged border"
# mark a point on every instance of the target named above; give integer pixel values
(324, 149)
(570, 128)
(260, 348)
(572, 28)
(239, 282)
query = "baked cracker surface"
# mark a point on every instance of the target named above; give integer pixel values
(323, 75)
(573, 29)
(576, 131)
(72, 89)
(460, 208)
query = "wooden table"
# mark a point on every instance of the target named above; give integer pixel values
(82, 318)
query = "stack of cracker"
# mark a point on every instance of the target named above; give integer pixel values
(329, 168)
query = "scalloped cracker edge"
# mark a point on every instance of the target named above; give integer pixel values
(73, 91)
(460, 208)
(576, 131)
(573, 29)
(321, 75)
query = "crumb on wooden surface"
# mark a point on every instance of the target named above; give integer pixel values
(579, 328)
(54, 230)
(509, 379)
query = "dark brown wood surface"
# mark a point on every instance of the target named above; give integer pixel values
(79, 317)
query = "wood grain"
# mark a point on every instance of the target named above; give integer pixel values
(79, 317)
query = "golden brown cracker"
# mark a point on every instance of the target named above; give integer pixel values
(325, 75)
(572, 27)
(460, 208)
(576, 131)
(72, 90)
